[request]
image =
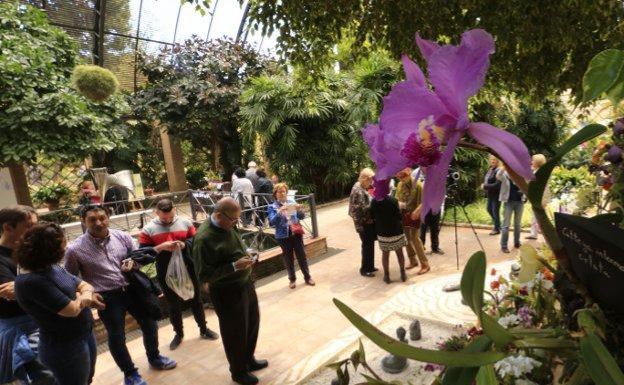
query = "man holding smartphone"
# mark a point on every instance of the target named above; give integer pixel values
(100, 256)
(168, 231)
(221, 261)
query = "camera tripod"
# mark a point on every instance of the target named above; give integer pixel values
(452, 190)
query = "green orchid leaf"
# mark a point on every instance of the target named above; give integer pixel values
(586, 321)
(533, 333)
(602, 73)
(487, 376)
(601, 365)
(545, 343)
(579, 376)
(501, 336)
(472, 281)
(402, 349)
(466, 376)
(362, 352)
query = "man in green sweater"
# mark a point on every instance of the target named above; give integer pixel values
(221, 261)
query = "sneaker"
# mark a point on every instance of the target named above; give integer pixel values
(438, 251)
(175, 342)
(505, 250)
(163, 363)
(310, 282)
(517, 245)
(208, 334)
(495, 232)
(134, 379)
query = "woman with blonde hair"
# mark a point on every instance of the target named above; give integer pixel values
(359, 211)
(285, 215)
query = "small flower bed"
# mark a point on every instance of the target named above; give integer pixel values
(524, 300)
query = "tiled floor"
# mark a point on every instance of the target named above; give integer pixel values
(296, 323)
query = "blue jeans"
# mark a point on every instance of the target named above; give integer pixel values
(493, 208)
(515, 208)
(114, 319)
(71, 361)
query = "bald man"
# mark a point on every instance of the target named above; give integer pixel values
(222, 262)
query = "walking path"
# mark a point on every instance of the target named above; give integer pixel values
(297, 323)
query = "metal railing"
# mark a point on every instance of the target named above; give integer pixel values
(254, 223)
(197, 205)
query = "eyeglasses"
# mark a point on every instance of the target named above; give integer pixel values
(230, 218)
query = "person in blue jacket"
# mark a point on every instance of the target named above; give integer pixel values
(285, 215)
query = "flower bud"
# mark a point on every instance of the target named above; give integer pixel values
(614, 155)
(618, 127)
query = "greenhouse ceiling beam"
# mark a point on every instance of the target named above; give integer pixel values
(98, 36)
(78, 28)
(243, 21)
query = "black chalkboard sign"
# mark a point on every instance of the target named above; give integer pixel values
(596, 251)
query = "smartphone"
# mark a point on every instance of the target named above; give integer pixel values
(253, 253)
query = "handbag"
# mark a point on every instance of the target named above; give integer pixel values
(296, 229)
(407, 220)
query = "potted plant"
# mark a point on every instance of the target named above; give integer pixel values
(51, 195)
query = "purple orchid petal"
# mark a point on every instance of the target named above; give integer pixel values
(458, 72)
(412, 71)
(406, 106)
(508, 146)
(435, 180)
(382, 188)
(388, 160)
(427, 47)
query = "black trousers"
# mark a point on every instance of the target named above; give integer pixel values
(294, 245)
(368, 236)
(239, 322)
(174, 301)
(432, 222)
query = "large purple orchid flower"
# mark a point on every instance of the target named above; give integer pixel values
(417, 122)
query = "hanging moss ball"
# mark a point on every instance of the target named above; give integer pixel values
(94, 82)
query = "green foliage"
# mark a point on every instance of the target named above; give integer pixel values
(541, 126)
(39, 112)
(477, 212)
(540, 46)
(564, 180)
(192, 91)
(196, 176)
(94, 82)
(471, 166)
(605, 76)
(51, 193)
(310, 132)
